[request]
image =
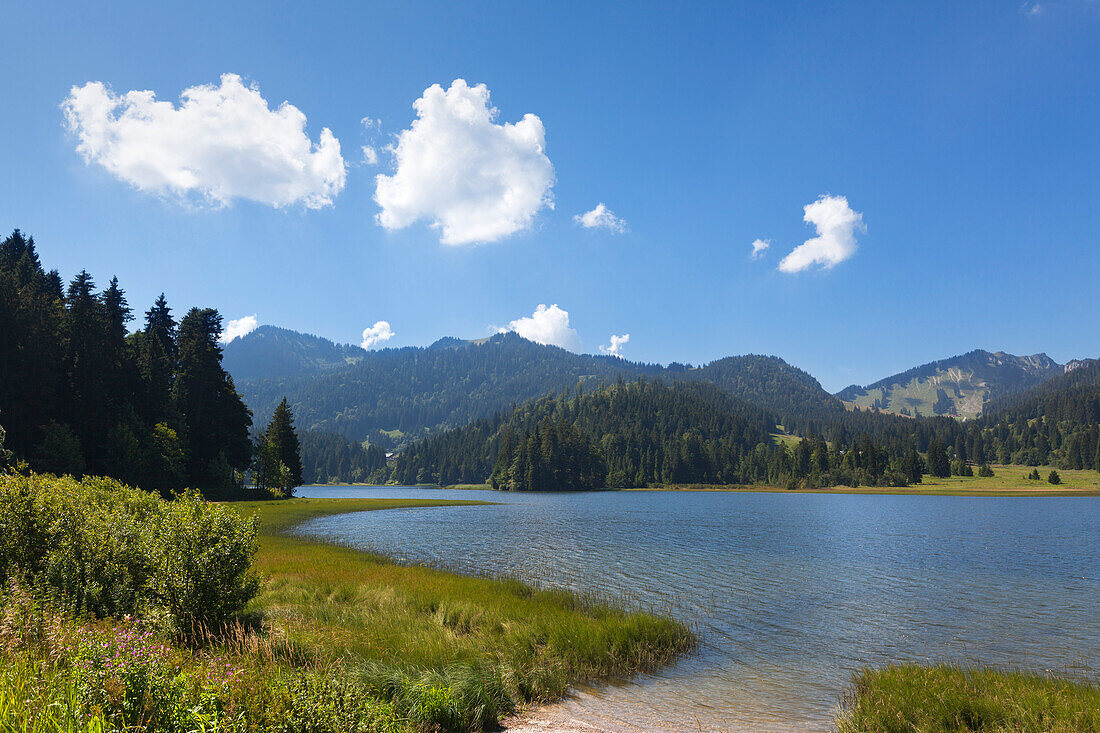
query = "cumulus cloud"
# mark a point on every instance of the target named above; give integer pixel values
(238, 327)
(379, 333)
(759, 247)
(601, 217)
(469, 177)
(547, 326)
(222, 142)
(615, 348)
(835, 242)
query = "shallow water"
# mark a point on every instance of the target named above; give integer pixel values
(791, 593)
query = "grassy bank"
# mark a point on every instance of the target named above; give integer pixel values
(341, 601)
(494, 642)
(335, 639)
(946, 699)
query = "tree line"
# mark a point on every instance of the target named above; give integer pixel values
(82, 395)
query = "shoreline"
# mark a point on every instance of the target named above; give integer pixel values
(929, 488)
(623, 643)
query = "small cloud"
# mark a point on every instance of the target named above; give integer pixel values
(222, 142)
(238, 328)
(835, 242)
(615, 348)
(1031, 9)
(601, 217)
(379, 333)
(548, 326)
(370, 155)
(473, 179)
(759, 247)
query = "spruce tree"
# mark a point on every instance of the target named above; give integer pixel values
(938, 463)
(280, 432)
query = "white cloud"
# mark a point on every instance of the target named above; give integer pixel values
(615, 348)
(379, 333)
(601, 216)
(370, 155)
(1031, 8)
(835, 242)
(547, 326)
(759, 247)
(222, 142)
(239, 327)
(456, 168)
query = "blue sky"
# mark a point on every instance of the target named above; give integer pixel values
(964, 135)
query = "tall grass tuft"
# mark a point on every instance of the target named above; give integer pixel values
(949, 699)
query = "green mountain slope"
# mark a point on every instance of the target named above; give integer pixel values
(648, 431)
(956, 387)
(410, 392)
(271, 352)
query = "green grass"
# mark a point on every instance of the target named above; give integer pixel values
(948, 699)
(417, 623)
(1006, 481)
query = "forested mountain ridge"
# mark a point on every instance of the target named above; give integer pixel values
(416, 390)
(647, 431)
(270, 351)
(959, 386)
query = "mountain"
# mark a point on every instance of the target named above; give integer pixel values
(645, 431)
(412, 391)
(272, 352)
(957, 387)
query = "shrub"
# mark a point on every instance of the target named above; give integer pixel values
(1054, 478)
(97, 546)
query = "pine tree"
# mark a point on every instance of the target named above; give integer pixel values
(215, 420)
(938, 463)
(280, 431)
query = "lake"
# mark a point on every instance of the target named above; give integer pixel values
(791, 593)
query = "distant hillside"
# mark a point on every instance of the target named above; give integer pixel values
(270, 351)
(412, 391)
(957, 387)
(647, 432)
(1073, 396)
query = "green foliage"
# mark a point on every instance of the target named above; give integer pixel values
(154, 408)
(331, 458)
(1054, 478)
(555, 456)
(947, 699)
(648, 432)
(99, 547)
(984, 471)
(278, 464)
(938, 463)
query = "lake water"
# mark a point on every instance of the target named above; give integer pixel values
(791, 593)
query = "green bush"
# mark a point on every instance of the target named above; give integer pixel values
(97, 546)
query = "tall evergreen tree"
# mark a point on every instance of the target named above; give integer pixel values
(938, 463)
(280, 431)
(214, 418)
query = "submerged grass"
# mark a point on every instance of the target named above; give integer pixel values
(950, 699)
(421, 636)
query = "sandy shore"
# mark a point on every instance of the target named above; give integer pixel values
(548, 720)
